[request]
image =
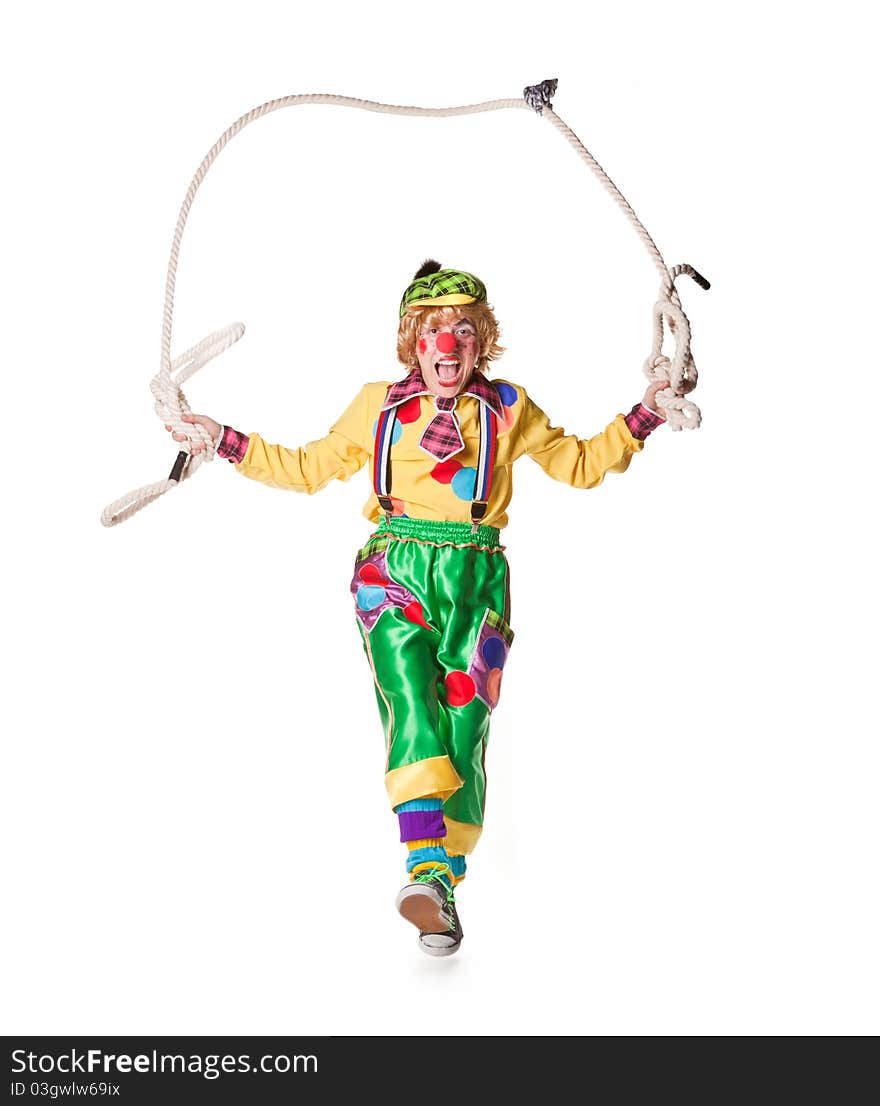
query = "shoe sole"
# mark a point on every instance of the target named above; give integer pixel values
(423, 909)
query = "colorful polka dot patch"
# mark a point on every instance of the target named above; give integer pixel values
(489, 658)
(508, 396)
(463, 479)
(445, 470)
(464, 483)
(460, 689)
(494, 652)
(375, 591)
(507, 393)
(409, 411)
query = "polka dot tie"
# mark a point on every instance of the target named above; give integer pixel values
(442, 436)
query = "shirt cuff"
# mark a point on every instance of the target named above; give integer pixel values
(233, 445)
(642, 420)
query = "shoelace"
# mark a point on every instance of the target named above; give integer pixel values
(438, 873)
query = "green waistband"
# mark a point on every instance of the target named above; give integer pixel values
(459, 533)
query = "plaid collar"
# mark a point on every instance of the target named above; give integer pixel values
(413, 385)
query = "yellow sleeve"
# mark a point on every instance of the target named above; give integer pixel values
(582, 463)
(311, 467)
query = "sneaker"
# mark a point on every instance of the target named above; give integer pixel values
(428, 902)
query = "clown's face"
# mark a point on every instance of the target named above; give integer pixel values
(448, 350)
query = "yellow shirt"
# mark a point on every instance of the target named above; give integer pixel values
(423, 487)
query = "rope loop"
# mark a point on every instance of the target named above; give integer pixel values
(680, 412)
(170, 404)
(680, 370)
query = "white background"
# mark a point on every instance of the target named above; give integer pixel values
(681, 834)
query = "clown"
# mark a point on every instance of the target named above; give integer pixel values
(430, 587)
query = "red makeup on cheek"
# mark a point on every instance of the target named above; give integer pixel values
(423, 345)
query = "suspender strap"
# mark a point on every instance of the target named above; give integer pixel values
(485, 463)
(385, 426)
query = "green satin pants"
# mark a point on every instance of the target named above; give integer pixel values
(432, 601)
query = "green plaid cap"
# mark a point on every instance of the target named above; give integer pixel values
(446, 288)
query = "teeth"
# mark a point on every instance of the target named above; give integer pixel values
(448, 370)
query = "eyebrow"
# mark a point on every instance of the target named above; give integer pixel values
(460, 322)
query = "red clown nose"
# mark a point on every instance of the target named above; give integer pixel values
(445, 342)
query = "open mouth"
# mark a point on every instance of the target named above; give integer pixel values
(448, 369)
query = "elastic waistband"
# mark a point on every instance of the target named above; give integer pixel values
(455, 533)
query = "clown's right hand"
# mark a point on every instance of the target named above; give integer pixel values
(214, 430)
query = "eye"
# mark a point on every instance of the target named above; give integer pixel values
(433, 330)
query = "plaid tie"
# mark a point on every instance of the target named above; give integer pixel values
(442, 436)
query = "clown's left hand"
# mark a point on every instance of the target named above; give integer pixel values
(213, 428)
(650, 397)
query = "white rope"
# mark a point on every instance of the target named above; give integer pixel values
(680, 371)
(171, 403)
